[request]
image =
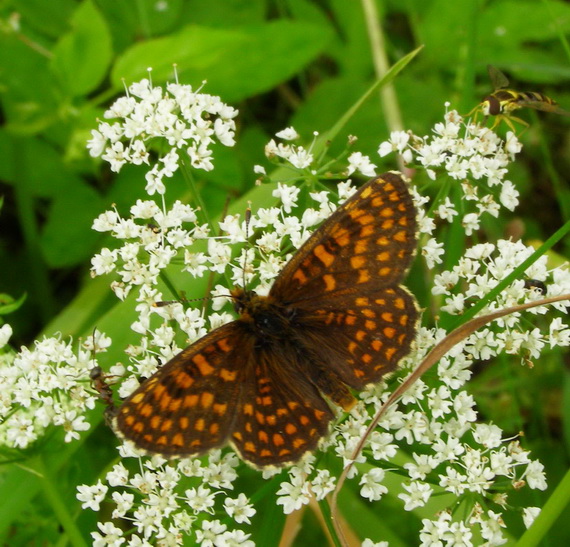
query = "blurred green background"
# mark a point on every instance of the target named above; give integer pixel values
(281, 63)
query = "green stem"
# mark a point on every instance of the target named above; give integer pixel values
(327, 517)
(557, 502)
(390, 104)
(58, 505)
(196, 196)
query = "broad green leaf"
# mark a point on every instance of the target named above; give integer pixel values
(82, 56)
(46, 172)
(237, 63)
(520, 22)
(67, 237)
(46, 18)
(30, 96)
(443, 31)
(235, 12)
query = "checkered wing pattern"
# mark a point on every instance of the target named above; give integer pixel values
(366, 244)
(282, 415)
(362, 337)
(189, 405)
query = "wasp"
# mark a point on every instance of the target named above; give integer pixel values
(502, 102)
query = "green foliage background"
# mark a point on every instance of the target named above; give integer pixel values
(287, 62)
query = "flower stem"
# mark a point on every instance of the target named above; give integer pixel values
(557, 502)
(59, 506)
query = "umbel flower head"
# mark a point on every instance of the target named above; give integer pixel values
(178, 119)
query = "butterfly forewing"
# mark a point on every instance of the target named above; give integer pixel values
(189, 405)
(367, 243)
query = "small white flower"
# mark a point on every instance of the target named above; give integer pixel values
(535, 476)
(239, 509)
(529, 515)
(418, 494)
(371, 487)
(358, 162)
(91, 496)
(293, 495)
(5, 334)
(288, 134)
(288, 196)
(111, 535)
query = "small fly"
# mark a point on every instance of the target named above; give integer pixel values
(502, 102)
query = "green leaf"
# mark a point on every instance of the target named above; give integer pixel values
(29, 91)
(518, 22)
(47, 18)
(9, 304)
(235, 12)
(67, 238)
(237, 63)
(386, 79)
(82, 56)
(47, 174)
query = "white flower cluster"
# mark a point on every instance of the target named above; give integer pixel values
(466, 152)
(434, 428)
(48, 385)
(186, 120)
(480, 270)
(151, 238)
(450, 451)
(435, 425)
(163, 502)
(301, 159)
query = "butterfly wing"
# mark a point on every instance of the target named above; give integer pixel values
(360, 338)
(365, 245)
(189, 405)
(282, 414)
(342, 289)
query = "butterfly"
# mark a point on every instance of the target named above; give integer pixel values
(336, 319)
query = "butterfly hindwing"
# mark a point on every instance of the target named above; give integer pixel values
(361, 338)
(282, 415)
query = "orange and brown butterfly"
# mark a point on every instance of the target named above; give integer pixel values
(503, 101)
(336, 319)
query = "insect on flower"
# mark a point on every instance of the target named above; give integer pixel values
(99, 383)
(336, 318)
(503, 101)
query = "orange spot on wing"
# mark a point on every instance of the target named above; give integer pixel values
(203, 366)
(323, 255)
(330, 282)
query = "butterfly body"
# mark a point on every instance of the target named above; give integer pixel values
(335, 319)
